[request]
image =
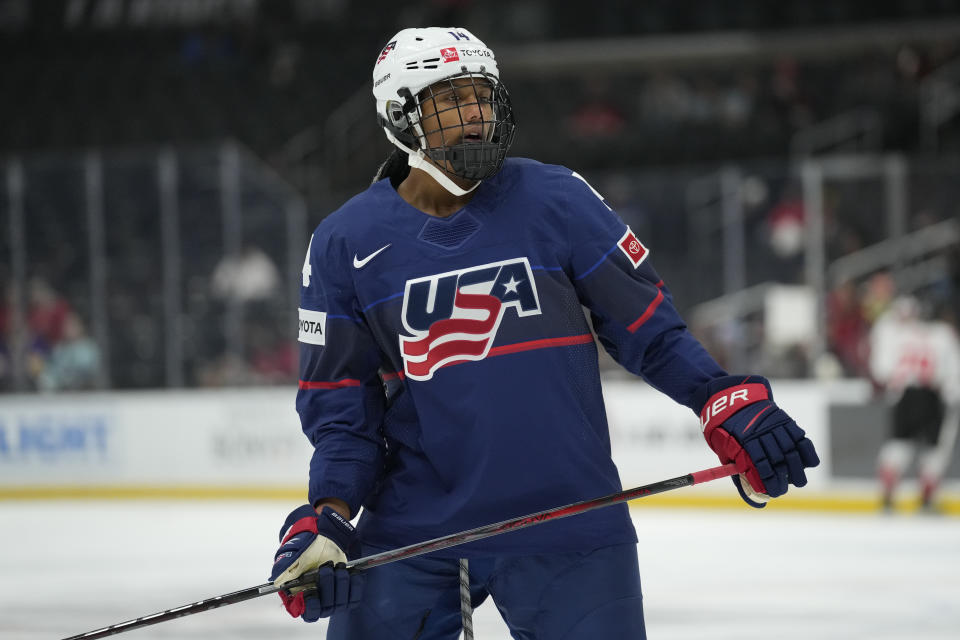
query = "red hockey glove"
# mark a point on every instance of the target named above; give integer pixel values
(742, 425)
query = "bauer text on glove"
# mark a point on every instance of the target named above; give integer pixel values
(742, 425)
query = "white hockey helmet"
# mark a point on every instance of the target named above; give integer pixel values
(408, 66)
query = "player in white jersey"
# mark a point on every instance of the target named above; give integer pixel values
(917, 363)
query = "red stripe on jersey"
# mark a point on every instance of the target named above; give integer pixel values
(338, 384)
(646, 314)
(762, 411)
(464, 348)
(541, 344)
(518, 347)
(544, 343)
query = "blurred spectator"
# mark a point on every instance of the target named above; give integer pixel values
(74, 362)
(665, 99)
(736, 101)
(788, 89)
(785, 223)
(783, 235)
(273, 355)
(270, 357)
(7, 327)
(284, 62)
(29, 346)
(597, 117)
(48, 312)
(247, 277)
(228, 370)
(847, 328)
(879, 293)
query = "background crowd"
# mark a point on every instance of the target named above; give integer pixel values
(647, 100)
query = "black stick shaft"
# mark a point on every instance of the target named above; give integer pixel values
(418, 549)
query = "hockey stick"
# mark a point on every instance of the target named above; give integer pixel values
(418, 549)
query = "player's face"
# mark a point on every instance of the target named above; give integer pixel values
(457, 111)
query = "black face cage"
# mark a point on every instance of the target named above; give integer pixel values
(474, 143)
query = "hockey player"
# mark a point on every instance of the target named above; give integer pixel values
(917, 365)
(449, 378)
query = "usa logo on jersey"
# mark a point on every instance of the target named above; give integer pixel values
(453, 317)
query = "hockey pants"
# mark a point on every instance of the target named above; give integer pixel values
(565, 596)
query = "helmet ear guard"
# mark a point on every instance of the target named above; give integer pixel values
(396, 118)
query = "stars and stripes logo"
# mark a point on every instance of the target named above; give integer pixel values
(454, 316)
(386, 51)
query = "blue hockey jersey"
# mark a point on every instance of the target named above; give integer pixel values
(448, 374)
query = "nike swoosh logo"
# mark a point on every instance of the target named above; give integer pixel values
(359, 264)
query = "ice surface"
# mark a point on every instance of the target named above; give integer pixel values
(70, 567)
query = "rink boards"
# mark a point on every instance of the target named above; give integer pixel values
(247, 443)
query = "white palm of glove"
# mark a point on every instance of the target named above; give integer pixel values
(752, 493)
(321, 551)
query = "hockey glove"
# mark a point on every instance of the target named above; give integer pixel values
(742, 425)
(309, 540)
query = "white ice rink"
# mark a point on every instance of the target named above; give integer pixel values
(69, 567)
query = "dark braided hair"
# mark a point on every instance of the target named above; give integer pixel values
(394, 167)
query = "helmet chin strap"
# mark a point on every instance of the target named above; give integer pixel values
(417, 160)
